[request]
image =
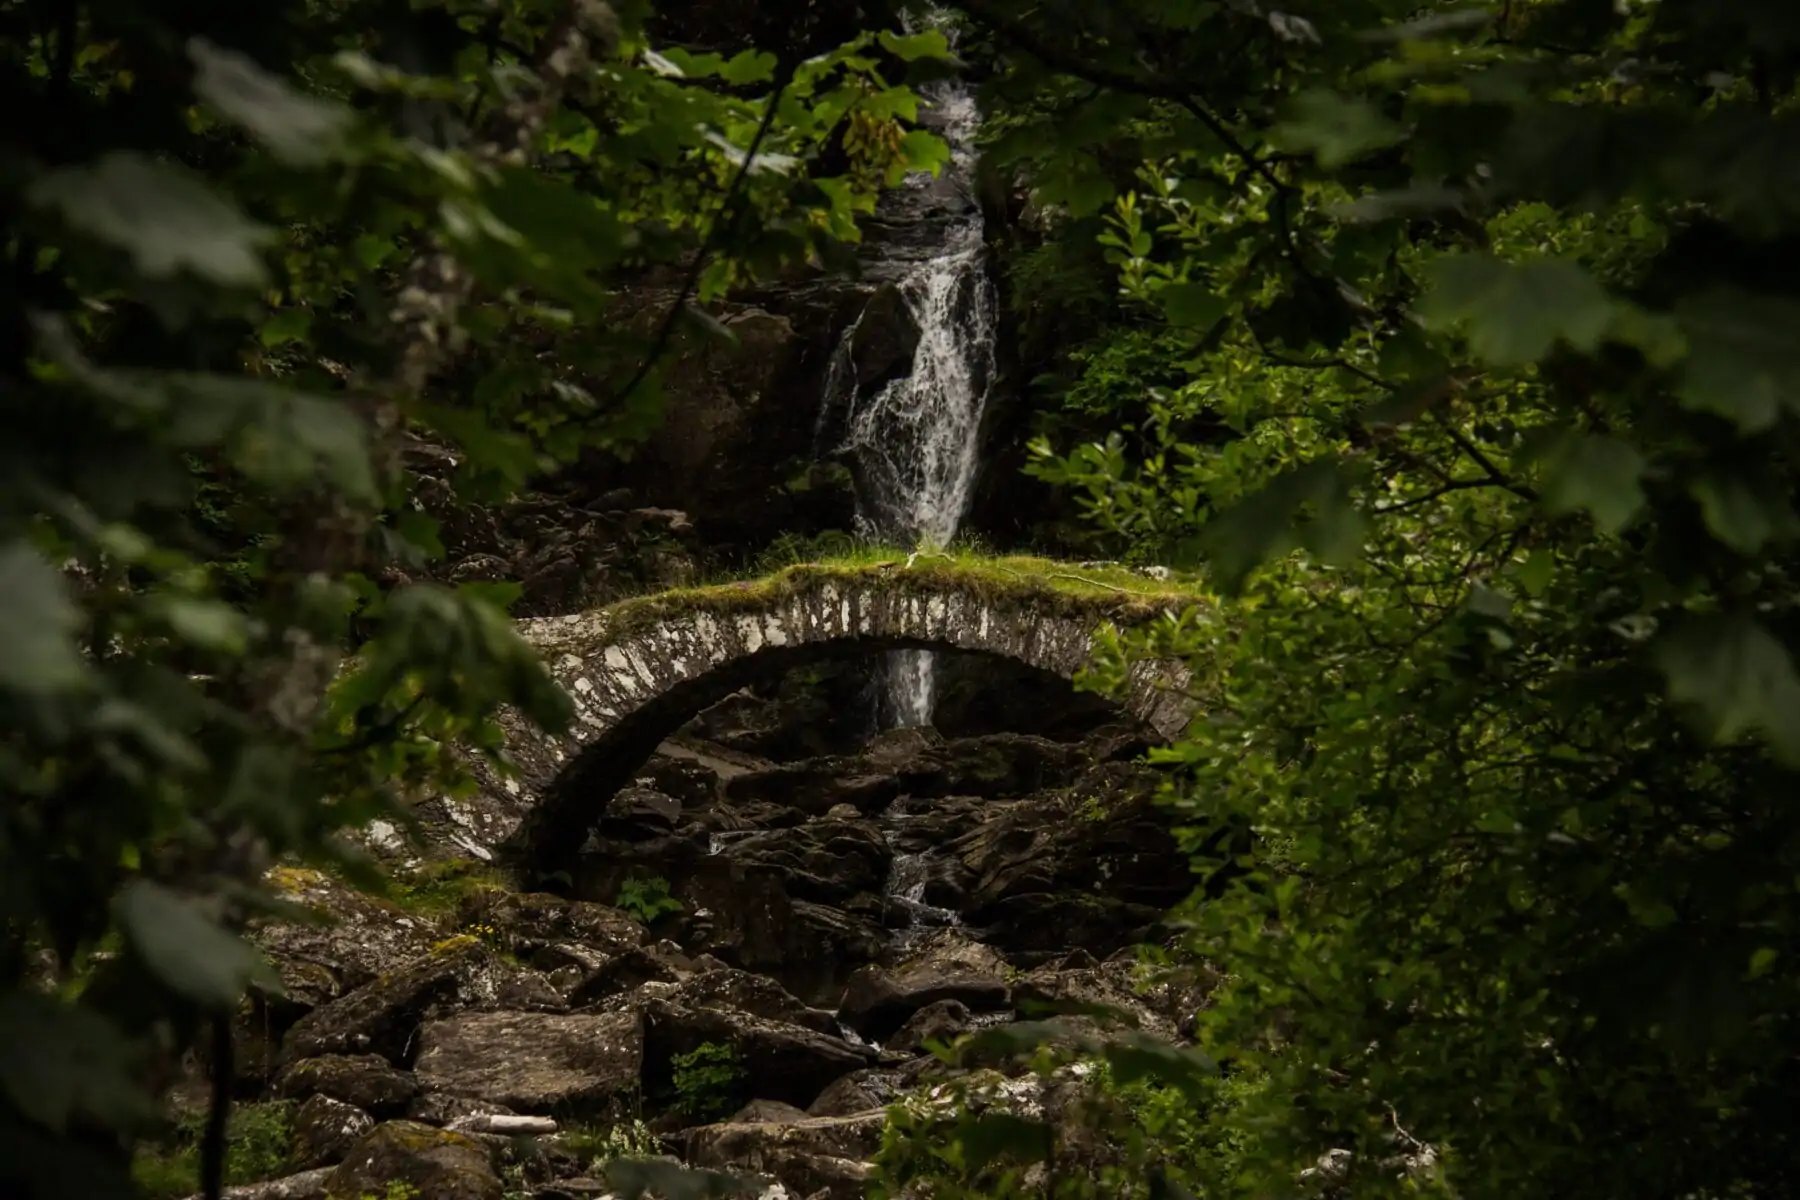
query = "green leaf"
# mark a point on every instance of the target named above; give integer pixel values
(277, 435)
(1515, 314)
(1337, 129)
(164, 217)
(1083, 194)
(1267, 524)
(1133, 1058)
(1742, 514)
(1535, 573)
(911, 47)
(296, 129)
(187, 949)
(38, 623)
(993, 1136)
(288, 325)
(749, 66)
(1743, 356)
(1193, 305)
(1598, 474)
(59, 1061)
(1737, 676)
(923, 150)
(209, 624)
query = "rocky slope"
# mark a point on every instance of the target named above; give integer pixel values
(801, 931)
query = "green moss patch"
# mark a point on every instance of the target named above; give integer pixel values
(1109, 593)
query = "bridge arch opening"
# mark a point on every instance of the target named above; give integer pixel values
(638, 678)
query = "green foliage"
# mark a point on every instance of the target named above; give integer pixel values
(1483, 423)
(259, 259)
(396, 1189)
(258, 1146)
(646, 898)
(442, 887)
(709, 1082)
(1087, 1131)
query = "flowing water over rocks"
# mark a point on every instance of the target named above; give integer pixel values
(916, 439)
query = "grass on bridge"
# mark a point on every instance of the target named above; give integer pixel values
(1106, 592)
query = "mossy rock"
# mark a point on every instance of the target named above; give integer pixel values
(435, 1162)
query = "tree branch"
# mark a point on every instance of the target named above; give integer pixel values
(666, 330)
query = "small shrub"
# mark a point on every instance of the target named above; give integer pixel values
(709, 1082)
(259, 1145)
(647, 899)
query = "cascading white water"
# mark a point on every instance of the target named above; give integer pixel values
(916, 439)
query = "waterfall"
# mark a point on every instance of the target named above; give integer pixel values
(915, 440)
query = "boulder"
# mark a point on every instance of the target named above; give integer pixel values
(878, 1001)
(1050, 923)
(434, 1162)
(728, 425)
(660, 963)
(995, 766)
(823, 947)
(531, 922)
(781, 1061)
(871, 1088)
(365, 1081)
(809, 1156)
(326, 1129)
(826, 861)
(639, 812)
(685, 777)
(360, 937)
(534, 1062)
(756, 995)
(884, 339)
(816, 786)
(383, 1016)
(766, 1112)
(1105, 836)
(940, 1021)
(1161, 1001)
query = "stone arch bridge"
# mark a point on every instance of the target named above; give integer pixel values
(640, 669)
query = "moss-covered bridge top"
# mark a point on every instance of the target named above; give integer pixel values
(641, 668)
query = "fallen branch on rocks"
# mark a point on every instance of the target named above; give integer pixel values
(506, 1124)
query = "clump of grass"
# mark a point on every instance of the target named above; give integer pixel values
(441, 889)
